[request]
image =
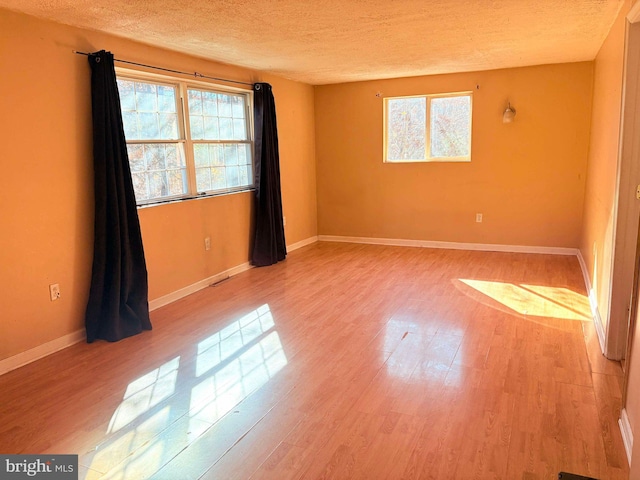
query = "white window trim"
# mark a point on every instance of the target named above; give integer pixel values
(427, 154)
(182, 107)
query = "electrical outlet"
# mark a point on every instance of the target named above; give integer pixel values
(207, 243)
(54, 291)
(478, 218)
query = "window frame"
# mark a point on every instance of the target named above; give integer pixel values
(427, 154)
(182, 85)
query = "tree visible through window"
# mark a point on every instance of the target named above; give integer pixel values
(222, 152)
(182, 148)
(428, 128)
(156, 155)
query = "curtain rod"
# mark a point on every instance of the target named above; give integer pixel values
(195, 74)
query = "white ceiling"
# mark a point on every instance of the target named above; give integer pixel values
(332, 41)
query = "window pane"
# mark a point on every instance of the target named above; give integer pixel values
(233, 177)
(203, 179)
(218, 179)
(168, 126)
(148, 111)
(230, 166)
(136, 158)
(237, 106)
(158, 170)
(451, 126)
(158, 185)
(174, 156)
(239, 129)
(148, 123)
(197, 127)
(210, 104)
(177, 181)
(127, 95)
(406, 129)
(166, 99)
(211, 128)
(154, 157)
(146, 97)
(230, 155)
(195, 102)
(205, 110)
(245, 175)
(224, 105)
(217, 116)
(130, 121)
(140, 186)
(216, 153)
(226, 129)
(201, 155)
(244, 154)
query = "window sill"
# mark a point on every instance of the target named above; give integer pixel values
(196, 197)
(433, 160)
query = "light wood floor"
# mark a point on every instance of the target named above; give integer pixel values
(345, 361)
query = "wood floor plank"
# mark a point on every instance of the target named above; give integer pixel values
(344, 361)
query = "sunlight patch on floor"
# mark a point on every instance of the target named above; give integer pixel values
(535, 300)
(218, 393)
(144, 393)
(169, 407)
(225, 343)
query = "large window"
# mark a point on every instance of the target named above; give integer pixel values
(185, 140)
(428, 128)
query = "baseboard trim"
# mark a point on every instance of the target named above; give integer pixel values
(627, 434)
(204, 283)
(195, 287)
(36, 353)
(593, 302)
(302, 243)
(485, 247)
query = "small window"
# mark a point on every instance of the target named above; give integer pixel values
(185, 140)
(428, 128)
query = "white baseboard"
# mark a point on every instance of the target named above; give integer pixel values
(193, 288)
(36, 353)
(486, 247)
(593, 302)
(627, 434)
(301, 243)
(597, 319)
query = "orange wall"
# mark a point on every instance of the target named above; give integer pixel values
(597, 231)
(527, 178)
(46, 217)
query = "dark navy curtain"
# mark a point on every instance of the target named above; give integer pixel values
(269, 244)
(118, 304)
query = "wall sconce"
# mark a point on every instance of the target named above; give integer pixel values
(509, 114)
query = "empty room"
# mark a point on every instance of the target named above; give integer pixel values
(296, 240)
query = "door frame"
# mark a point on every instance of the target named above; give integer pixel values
(626, 213)
(625, 269)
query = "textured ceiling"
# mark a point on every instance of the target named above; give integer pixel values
(331, 41)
